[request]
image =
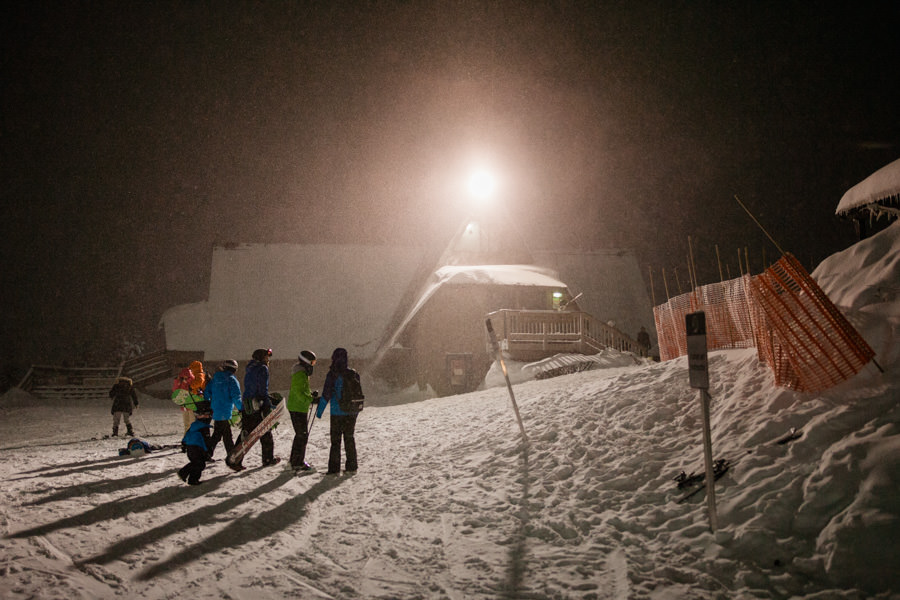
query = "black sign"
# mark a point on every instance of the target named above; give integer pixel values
(698, 366)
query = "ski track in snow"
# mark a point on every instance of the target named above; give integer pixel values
(448, 503)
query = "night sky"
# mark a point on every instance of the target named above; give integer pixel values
(136, 135)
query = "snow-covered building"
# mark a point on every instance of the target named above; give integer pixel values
(876, 196)
(391, 307)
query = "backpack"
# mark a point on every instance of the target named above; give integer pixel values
(352, 397)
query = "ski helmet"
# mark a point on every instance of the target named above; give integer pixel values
(231, 365)
(308, 357)
(261, 353)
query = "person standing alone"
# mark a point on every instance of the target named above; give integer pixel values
(124, 402)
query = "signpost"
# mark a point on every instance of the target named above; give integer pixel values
(499, 355)
(698, 372)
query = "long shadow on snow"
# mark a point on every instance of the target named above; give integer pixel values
(104, 486)
(199, 517)
(89, 465)
(513, 587)
(118, 508)
(245, 529)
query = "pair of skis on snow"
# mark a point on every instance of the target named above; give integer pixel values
(696, 482)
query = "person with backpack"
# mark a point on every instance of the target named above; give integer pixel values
(195, 443)
(257, 404)
(224, 395)
(124, 402)
(342, 393)
(187, 391)
(299, 400)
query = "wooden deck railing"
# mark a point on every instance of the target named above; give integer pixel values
(46, 381)
(535, 334)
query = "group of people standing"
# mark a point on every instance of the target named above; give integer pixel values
(222, 397)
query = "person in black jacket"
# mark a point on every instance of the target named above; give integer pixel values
(124, 402)
(257, 403)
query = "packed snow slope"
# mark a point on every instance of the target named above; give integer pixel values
(449, 503)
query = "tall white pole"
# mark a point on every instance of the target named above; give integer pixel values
(499, 355)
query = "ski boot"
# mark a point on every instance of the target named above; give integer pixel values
(115, 432)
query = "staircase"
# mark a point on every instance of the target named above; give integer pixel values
(93, 383)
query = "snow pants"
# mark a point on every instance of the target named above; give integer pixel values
(298, 447)
(221, 431)
(191, 472)
(120, 416)
(342, 427)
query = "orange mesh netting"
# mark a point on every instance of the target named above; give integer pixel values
(810, 345)
(803, 337)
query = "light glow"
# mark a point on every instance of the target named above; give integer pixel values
(482, 184)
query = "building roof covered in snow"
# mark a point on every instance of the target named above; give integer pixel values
(291, 297)
(876, 192)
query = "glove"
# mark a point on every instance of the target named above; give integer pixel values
(320, 409)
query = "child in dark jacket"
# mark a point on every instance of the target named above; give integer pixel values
(197, 451)
(124, 402)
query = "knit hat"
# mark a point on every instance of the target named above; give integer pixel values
(230, 364)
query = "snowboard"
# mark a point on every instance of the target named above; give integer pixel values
(268, 422)
(186, 399)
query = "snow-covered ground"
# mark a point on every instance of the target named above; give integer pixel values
(448, 503)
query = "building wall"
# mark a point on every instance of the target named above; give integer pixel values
(453, 323)
(291, 297)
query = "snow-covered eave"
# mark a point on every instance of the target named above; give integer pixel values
(525, 275)
(879, 191)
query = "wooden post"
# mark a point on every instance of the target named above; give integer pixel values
(499, 356)
(719, 262)
(692, 265)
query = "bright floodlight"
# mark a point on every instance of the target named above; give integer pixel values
(482, 185)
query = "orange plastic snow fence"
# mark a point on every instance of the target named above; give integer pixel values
(803, 337)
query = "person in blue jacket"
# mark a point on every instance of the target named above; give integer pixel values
(257, 404)
(224, 395)
(195, 446)
(343, 424)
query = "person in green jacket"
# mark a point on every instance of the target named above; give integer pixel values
(298, 403)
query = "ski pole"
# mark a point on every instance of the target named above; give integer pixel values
(313, 422)
(144, 425)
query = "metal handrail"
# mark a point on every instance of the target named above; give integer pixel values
(562, 331)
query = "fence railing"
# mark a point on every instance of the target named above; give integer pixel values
(49, 381)
(535, 334)
(797, 331)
